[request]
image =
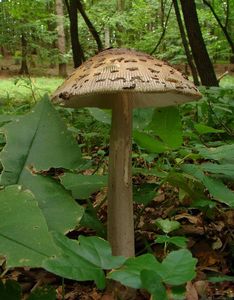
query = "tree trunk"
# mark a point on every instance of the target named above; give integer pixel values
(107, 36)
(163, 30)
(77, 51)
(223, 27)
(91, 28)
(198, 47)
(185, 43)
(24, 65)
(119, 26)
(61, 37)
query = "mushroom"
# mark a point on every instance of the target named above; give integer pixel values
(123, 79)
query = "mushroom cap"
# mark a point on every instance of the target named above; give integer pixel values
(103, 78)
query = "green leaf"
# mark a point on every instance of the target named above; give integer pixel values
(91, 220)
(148, 143)
(43, 293)
(100, 115)
(224, 169)
(204, 129)
(219, 191)
(178, 267)
(83, 186)
(83, 259)
(144, 194)
(166, 123)
(60, 210)
(142, 117)
(166, 225)
(129, 274)
(179, 241)
(152, 282)
(215, 187)
(24, 236)
(11, 290)
(42, 141)
(221, 278)
(223, 154)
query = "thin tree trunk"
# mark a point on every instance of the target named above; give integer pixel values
(91, 28)
(198, 47)
(107, 36)
(185, 43)
(24, 65)
(61, 37)
(163, 31)
(120, 9)
(224, 28)
(77, 51)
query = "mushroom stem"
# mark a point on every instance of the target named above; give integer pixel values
(120, 224)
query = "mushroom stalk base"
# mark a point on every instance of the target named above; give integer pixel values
(120, 224)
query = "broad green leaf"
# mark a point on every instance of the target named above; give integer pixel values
(24, 236)
(166, 123)
(83, 259)
(100, 115)
(224, 169)
(11, 290)
(166, 225)
(148, 143)
(178, 267)
(83, 186)
(91, 220)
(142, 117)
(129, 274)
(179, 241)
(204, 129)
(144, 194)
(43, 293)
(152, 282)
(223, 154)
(60, 210)
(215, 187)
(219, 191)
(42, 141)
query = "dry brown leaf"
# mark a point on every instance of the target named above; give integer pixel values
(191, 292)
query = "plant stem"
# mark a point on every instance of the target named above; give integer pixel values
(120, 225)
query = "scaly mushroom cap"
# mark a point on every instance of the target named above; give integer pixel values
(150, 82)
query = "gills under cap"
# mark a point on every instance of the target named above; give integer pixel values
(147, 81)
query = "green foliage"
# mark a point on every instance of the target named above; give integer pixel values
(83, 260)
(43, 293)
(83, 186)
(176, 269)
(24, 237)
(10, 290)
(166, 225)
(41, 139)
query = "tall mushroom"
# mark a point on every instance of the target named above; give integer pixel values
(123, 79)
